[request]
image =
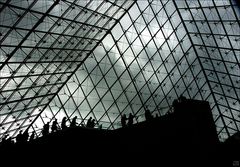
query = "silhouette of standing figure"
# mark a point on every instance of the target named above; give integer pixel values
(130, 119)
(93, 123)
(25, 135)
(74, 122)
(32, 136)
(174, 104)
(182, 98)
(89, 122)
(54, 125)
(123, 120)
(19, 138)
(45, 130)
(148, 115)
(63, 123)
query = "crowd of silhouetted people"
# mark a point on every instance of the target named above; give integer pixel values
(23, 137)
(128, 121)
(91, 123)
(55, 126)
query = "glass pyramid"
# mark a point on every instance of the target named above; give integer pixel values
(105, 58)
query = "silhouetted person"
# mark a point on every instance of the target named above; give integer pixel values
(19, 137)
(74, 122)
(54, 125)
(130, 119)
(6, 142)
(123, 120)
(4, 139)
(182, 98)
(89, 122)
(9, 141)
(45, 130)
(148, 115)
(174, 104)
(32, 136)
(25, 136)
(63, 123)
(92, 123)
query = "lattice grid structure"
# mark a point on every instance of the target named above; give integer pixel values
(105, 58)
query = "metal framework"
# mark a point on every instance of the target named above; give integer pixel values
(106, 58)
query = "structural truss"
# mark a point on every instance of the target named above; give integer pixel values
(105, 58)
